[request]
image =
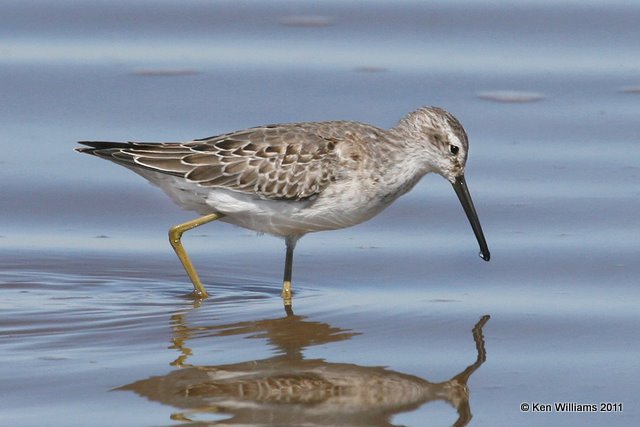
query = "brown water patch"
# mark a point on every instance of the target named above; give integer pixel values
(370, 69)
(631, 89)
(306, 21)
(510, 96)
(164, 72)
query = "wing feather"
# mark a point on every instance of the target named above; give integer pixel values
(290, 162)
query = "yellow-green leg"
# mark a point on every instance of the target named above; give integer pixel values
(175, 234)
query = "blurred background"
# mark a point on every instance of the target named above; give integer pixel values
(92, 295)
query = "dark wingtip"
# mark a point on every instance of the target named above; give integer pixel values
(101, 145)
(485, 255)
(95, 147)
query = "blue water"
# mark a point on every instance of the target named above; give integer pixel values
(94, 301)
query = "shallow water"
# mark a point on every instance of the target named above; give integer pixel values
(389, 323)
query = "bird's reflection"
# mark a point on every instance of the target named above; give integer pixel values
(288, 389)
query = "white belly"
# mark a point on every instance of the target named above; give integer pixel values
(331, 210)
(338, 206)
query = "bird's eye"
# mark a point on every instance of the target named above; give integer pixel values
(454, 149)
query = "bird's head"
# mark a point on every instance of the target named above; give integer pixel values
(440, 142)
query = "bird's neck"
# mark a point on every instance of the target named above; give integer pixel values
(402, 173)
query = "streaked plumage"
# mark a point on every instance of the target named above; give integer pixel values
(291, 179)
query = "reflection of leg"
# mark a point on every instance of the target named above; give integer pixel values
(181, 333)
(288, 265)
(458, 391)
(479, 338)
(175, 234)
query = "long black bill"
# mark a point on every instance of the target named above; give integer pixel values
(460, 186)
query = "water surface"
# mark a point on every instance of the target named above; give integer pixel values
(97, 327)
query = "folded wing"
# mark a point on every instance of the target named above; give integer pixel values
(274, 162)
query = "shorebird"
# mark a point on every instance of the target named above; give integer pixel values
(291, 179)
